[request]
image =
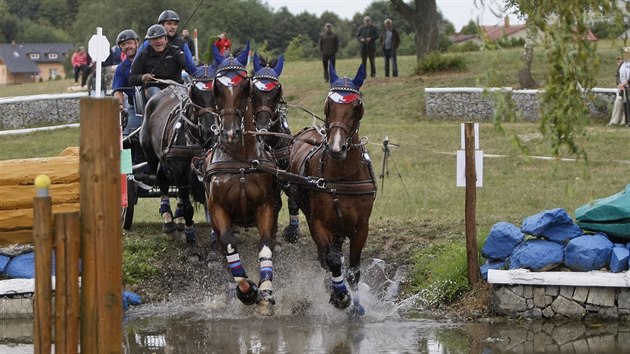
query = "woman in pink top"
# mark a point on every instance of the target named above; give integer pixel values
(79, 63)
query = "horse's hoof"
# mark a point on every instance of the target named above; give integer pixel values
(247, 292)
(265, 308)
(291, 233)
(168, 227)
(356, 311)
(194, 254)
(340, 299)
(191, 239)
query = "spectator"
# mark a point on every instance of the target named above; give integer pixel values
(328, 46)
(624, 79)
(390, 40)
(617, 113)
(367, 35)
(223, 44)
(189, 41)
(80, 65)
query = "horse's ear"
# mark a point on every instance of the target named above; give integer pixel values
(257, 65)
(218, 58)
(333, 73)
(242, 57)
(358, 79)
(279, 65)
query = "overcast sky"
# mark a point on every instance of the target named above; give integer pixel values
(459, 12)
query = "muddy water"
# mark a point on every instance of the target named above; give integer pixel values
(304, 322)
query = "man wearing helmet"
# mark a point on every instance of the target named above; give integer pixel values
(127, 41)
(160, 60)
(170, 20)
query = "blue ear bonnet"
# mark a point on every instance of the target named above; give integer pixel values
(238, 63)
(230, 63)
(344, 84)
(266, 73)
(205, 72)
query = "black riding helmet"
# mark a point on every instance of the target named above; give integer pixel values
(156, 31)
(126, 35)
(168, 15)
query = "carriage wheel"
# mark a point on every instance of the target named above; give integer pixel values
(132, 199)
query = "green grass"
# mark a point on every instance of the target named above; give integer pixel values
(420, 204)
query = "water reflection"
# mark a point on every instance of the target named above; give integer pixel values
(193, 334)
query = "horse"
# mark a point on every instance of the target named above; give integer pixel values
(270, 115)
(172, 134)
(237, 191)
(338, 187)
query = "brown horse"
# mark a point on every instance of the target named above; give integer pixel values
(173, 132)
(338, 199)
(270, 119)
(237, 191)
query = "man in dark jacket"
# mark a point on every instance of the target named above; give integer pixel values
(328, 46)
(367, 35)
(160, 60)
(390, 40)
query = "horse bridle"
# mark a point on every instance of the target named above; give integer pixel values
(350, 132)
(234, 111)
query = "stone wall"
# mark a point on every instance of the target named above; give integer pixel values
(479, 104)
(561, 302)
(39, 110)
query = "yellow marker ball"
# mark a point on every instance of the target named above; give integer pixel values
(42, 181)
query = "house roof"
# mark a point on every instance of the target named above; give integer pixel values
(496, 32)
(17, 57)
(459, 38)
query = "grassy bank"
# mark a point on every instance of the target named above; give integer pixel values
(418, 216)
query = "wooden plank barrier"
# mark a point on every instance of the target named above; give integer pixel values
(91, 317)
(16, 189)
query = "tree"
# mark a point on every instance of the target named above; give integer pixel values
(423, 17)
(470, 28)
(573, 64)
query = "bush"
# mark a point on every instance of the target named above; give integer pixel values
(301, 48)
(468, 46)
(435, 62)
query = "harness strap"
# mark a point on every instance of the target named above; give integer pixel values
(243, 193)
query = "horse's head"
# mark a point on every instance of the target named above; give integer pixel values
(266, 94)
(343, 109)
(203, 103)
(232, 89)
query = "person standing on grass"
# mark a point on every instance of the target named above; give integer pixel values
(328, 46)
(367, 35)
(624, 79)
(80, 65)
(617, 113)
(390, 41)
(223, 44)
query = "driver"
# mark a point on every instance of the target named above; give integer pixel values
(160, 60)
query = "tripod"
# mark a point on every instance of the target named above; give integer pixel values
(385, 169)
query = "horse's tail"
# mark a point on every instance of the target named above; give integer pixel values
(197, 189)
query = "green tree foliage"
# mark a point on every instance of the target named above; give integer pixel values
(470, 28)
(301, 48)
(573, 65)
(32, 32)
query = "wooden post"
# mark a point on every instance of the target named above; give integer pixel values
(101, 231)
(67, 300)
(42, 240)
(471, 201)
